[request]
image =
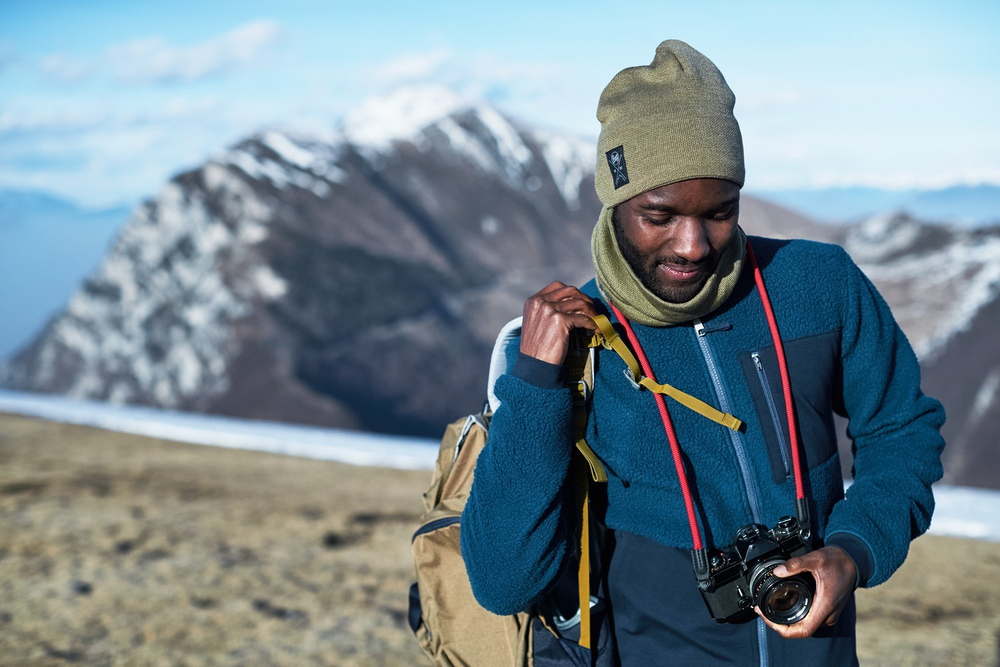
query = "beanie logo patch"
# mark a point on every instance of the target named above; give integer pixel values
(616, 162)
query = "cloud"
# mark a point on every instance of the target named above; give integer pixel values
(411, 67)
(23, 121)
(66, 68)
(154, 60)
(548, 92)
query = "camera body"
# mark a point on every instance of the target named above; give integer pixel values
(738, 578)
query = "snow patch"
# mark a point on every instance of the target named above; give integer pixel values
(959, 511)
(955, 281)
(570, 161)
(351, 447)
(985, 396)
(288, 150)
(268, 283)
(467, 144)
(399, 116)
(489, 225)
(514, 155)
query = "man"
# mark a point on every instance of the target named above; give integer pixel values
(671, 258)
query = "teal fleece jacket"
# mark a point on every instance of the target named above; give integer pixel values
(846, 355)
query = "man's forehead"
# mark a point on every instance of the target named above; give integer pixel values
(701, 192)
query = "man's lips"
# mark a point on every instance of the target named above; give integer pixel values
(683, 272)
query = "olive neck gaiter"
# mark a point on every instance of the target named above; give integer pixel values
(623, 288)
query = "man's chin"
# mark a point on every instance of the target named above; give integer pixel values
(678, 293)
(674, 293)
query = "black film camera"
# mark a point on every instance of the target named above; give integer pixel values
(735, 579)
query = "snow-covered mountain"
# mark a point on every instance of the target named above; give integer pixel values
(353, 280)
(357, 279)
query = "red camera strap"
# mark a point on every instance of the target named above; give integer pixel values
(668, 424)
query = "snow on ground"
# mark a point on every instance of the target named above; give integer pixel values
(291, 439)
(960, 512)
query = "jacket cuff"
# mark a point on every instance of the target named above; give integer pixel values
(539, 373)
(858, 551)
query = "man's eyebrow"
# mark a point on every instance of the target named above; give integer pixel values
(663, 208)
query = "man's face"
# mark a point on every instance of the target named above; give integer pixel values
(673, 236)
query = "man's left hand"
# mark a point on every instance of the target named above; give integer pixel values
(835, 575)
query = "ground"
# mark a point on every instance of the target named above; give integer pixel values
(122, 550)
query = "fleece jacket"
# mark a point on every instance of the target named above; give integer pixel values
(845, 354)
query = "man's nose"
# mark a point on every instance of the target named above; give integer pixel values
(691, 240)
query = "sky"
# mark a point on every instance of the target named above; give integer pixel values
(102, 102)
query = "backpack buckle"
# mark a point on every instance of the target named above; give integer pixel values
(631, 380)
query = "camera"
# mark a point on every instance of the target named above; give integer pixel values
(738, 578)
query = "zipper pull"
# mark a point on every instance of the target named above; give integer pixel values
(756, 359)
(699, 328)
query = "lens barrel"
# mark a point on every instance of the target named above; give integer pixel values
(782, 600)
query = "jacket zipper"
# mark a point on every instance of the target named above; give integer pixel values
(713, 371)
(720, 392)
(772, 408)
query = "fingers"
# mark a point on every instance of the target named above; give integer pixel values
(834, 574)
(557, 292)
(549, 318)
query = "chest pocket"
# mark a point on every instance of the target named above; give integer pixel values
(814, 371)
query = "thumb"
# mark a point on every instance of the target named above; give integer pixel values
(792, 566)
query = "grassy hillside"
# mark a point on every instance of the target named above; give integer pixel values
(117, 549)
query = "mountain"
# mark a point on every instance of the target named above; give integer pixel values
(47, 246)
(358, 279)
(965, 205)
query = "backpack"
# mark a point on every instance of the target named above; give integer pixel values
(450, 626)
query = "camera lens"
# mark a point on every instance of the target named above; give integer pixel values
(782, 600)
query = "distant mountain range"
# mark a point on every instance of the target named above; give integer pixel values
(964, 205)
(47, 246)
(358, 280)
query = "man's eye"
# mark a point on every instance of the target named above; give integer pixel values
(659, 221)
(724, 215)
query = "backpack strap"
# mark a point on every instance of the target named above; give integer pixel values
(579, 368)
(586, 466)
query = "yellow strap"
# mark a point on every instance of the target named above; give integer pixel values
(612, 341)
(597, 471)
(692, 403)
(583, 574)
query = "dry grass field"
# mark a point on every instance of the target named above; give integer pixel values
(122, 550)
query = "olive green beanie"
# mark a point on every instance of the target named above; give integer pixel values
(669, 121)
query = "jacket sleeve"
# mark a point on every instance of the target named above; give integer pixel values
(895, 430)
(514, 533)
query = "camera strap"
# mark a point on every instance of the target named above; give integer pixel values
(801, 504)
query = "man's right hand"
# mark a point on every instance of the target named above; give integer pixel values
(550, 316)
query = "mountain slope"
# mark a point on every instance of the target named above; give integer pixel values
(354, 282)
(359, 279)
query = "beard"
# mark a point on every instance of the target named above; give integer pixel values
(645, 269)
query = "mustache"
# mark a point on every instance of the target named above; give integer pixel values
(673, 260)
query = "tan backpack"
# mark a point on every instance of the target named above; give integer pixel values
(450, 626)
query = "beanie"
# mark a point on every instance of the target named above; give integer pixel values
(669, 121)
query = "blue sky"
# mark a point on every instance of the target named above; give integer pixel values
(101, 102)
